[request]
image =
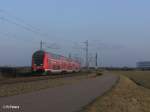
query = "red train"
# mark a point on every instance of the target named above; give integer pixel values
(53, 63)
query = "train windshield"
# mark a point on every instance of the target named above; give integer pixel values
(38, 58)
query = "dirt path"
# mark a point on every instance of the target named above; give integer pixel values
(68, 98)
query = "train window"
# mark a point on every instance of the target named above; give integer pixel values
(38, 58)
(49, 61)
(56, 67)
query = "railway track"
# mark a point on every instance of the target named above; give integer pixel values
(38, 77)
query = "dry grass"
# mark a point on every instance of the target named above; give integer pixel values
(125, 97)
(140, 77)
(19, 88)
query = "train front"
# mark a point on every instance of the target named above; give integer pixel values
(38, 61)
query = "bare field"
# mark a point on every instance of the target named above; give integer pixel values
(140, 77)
(126, 96)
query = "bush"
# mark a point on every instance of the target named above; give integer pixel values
(99, 73)
(14, 71)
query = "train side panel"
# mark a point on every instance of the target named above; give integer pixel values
(44, 61)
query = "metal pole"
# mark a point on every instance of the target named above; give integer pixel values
(96, 57)
(41, 45)
(69, 56)
(87, 54)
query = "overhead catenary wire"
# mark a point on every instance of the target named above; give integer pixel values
(21, 26)
(43, 45)
(47, 45)
(12, 19)
(18, 19)
(21, 23)
(7, 35)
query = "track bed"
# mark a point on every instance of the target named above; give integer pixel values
(38, 77)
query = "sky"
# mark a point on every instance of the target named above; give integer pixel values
(119, 30)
